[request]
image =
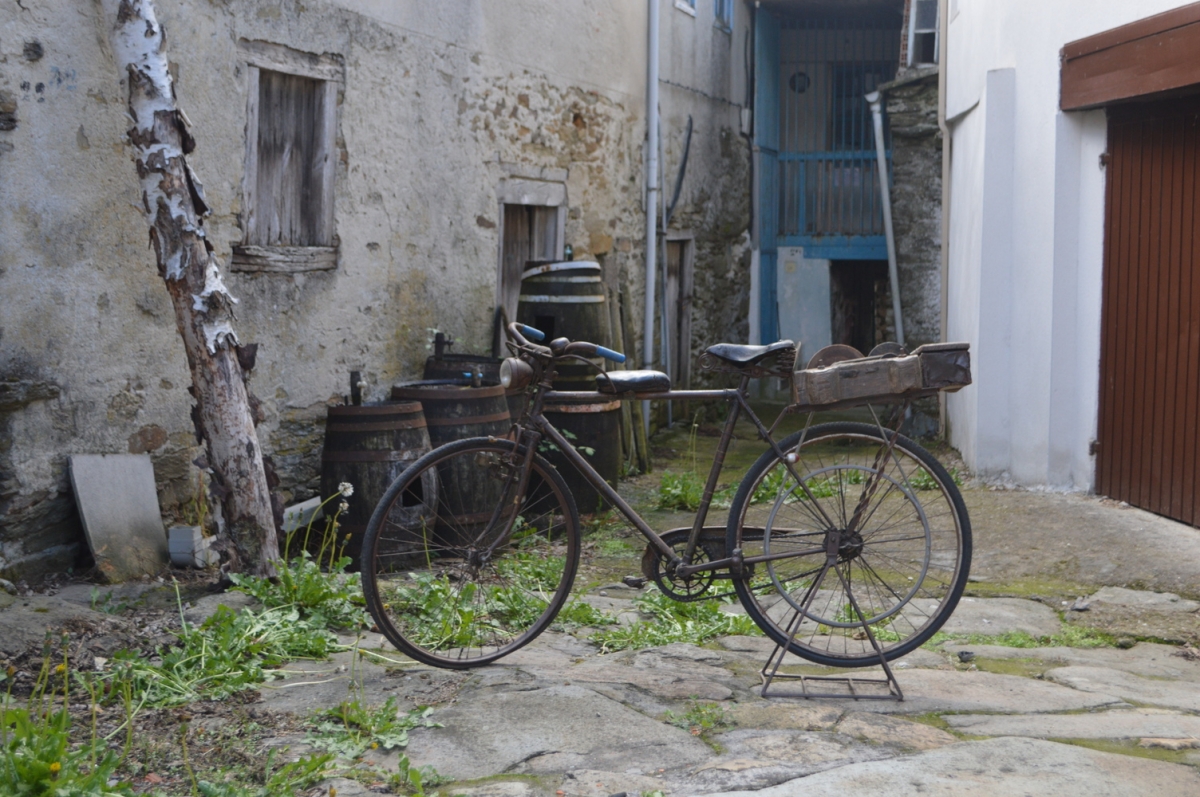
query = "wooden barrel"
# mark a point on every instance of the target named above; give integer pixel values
(596, 430)
(457, 366)
(368, 447)
(567, 300)
(454, 412)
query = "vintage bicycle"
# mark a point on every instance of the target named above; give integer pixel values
(845, 542)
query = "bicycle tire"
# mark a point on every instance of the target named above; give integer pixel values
(907, 566)
(433, 591)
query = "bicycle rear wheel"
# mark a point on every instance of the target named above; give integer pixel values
(460, 565)
(898, 524)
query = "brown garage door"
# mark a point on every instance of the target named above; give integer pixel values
(1149, 439)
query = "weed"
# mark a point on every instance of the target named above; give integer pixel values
(442, 614)
(331, 599)
(700, 718)
(36, 754)
(104, 602)
(350, 729)
(317, 585)
(695, 622)
(229, 652)
(287, 779)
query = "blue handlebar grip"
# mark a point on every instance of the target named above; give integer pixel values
(615, 356)
(530, 332)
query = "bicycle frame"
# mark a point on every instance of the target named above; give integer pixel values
(680, 566)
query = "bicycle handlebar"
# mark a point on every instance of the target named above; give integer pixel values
(535, 334)
(520, 331)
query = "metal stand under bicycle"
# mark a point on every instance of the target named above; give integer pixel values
(876, 688)
(887, 688)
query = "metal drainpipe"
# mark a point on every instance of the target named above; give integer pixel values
(651, 196)
(881, 157)
(943, 49)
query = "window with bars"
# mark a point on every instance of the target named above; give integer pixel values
(288, 187)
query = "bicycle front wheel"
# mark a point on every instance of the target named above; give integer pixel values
(878, 536)
(460, 564)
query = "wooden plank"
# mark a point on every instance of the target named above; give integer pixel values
(1189, 344)
(250, 178)
(1178, 398)
(284, 259)
(1155, 63)
(1140, 29)
(278, 58)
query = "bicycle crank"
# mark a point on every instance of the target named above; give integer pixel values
(696, 586)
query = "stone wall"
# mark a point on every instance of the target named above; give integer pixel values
(441, 103)
(912, 102)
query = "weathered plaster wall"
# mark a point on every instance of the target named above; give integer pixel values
(702, 75)
(441, 102)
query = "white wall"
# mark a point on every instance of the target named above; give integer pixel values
(1026, 237)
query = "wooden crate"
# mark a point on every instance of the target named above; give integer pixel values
(931, 368)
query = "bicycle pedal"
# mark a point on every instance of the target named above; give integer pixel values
(636, 582)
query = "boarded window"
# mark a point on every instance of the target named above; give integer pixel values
(292, 200)
(290, 158)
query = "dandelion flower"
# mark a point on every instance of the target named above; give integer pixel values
(55, 768)
(347, 535)
(60, 669)
(374, 745)
(346, 489)
(343, 507)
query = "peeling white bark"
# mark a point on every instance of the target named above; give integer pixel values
(173, 200)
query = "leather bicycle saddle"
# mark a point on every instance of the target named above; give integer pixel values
(738, 354)
(633, 382)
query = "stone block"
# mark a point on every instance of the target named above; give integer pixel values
(119, 506)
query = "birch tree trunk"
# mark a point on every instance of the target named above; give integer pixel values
(173, 201)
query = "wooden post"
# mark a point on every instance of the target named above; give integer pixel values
(173, 201)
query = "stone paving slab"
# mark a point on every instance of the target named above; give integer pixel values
(1173, 694)
(595, 783)
(554, 729)
(24, 622)
(1115, 724)
(756, 759)
(777, 715)
(996, 616)
(1007, 767)
(1142, 599)
(884, 729)
(1145, 658)
(954, 690)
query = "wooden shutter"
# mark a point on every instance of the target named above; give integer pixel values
(291, 196)
(1149, 438)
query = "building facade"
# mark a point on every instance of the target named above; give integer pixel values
(1065, 247)
(374, 170)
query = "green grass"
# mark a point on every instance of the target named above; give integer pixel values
(700, 718)
(227, 653)
(442, 615)
(1071, 636)
(695, 623)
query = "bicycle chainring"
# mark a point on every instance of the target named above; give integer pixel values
(693, 588)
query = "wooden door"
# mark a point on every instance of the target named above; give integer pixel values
(1148, 438)
(678, 301)
(530, 233)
